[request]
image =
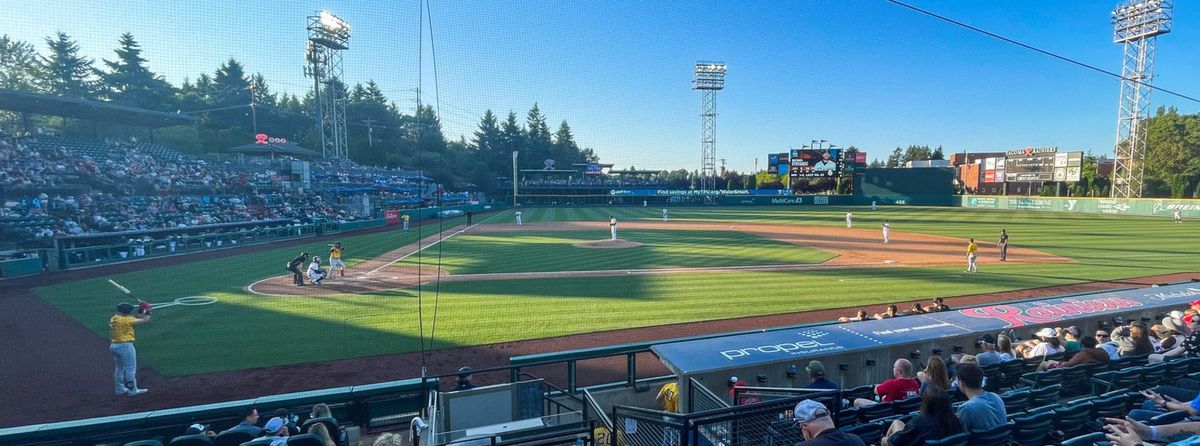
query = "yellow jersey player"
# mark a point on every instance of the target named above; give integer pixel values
(335, 259)
(972, 251)
(120, 333)
(668, 397)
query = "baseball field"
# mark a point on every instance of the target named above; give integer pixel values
(557, 275)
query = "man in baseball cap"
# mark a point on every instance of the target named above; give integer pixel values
(816, 371)
(276, 429)
(815, 424)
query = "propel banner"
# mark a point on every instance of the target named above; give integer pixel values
(795, 344)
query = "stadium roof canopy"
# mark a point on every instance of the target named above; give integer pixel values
(44, 104)
(289, 149)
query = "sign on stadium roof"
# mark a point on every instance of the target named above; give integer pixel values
(696, 192)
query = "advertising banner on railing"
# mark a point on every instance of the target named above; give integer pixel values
(795, 344)
(1152, 207)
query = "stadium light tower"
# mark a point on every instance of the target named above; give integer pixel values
(1136, 25)
(328, 36)
(710, 77)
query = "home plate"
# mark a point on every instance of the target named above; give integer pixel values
(889, 261)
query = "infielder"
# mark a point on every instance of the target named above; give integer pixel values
(315, 273)
(1178, 216)
(873, 205)
(1003, 245)
(664, 215)
(335, 259)
(120, 333)
(518, 214)
(887, 227)
(972, 251)
(404, 218)
(849, 220)
(612, 226)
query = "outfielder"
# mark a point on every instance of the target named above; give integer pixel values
(972, 251)
(849, 220)
(335, 259)
(873, 203)
(518, 214)
(887, 227)
(1178, 216)
(664, 215)
(612, 226)
(404, 218)
(315, 273)
(120, 333)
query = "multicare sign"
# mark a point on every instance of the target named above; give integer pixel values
(794, 344)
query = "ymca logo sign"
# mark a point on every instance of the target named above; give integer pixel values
(1071, 204)
(808, 343)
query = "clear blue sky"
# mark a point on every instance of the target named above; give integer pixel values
(855, 72)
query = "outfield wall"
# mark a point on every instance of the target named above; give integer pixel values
(1150, 207)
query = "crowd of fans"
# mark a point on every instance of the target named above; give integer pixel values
(53, 187)
(891, 311)
(594, 181)
(961, 377)
(319, 427)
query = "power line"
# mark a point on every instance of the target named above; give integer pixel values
(1039, 50)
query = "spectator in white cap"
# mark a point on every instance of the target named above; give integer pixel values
(816, 426)
(277, 430)
(1047, 343)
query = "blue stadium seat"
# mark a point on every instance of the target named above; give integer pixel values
(1176, 370)
(996, 436)
(1011, 371)
(953, 440)
(875, 411)
(1044, 395)
(1111, 407)
(1168, 418)
(1043, 379)
(907, 405)
(234, 437)
(191, 440)
(304, 440)
(1075, 379)
(1015, 400)
(848, 416)
(1032, 429)
(1092, 439)
(1072, 418)
(870, 433)
(864, 391)
(1120, 380)
(1151, 376)
(330, 423)
(259, 442)
(144, 443)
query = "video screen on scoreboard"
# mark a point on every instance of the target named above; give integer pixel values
(816, 163)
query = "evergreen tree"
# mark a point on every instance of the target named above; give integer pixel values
(261, 92)
(66, 73)
(538, 140)
(564, 148)
(512, 139)
(130, 82)
(19, 68)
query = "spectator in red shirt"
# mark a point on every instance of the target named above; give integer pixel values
(902, 385)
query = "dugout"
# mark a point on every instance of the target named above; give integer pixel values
(862, 353)
(927, 186)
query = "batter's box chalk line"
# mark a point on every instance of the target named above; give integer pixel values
(189, 301)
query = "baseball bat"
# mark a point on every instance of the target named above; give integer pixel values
(122, 288)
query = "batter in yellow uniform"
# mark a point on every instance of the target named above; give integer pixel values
(972, 250)
(335, 259)
(120, 333)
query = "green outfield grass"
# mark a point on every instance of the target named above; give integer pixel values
(244, 330)
(508, 252)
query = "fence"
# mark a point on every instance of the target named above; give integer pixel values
(1151, 207)
(765, 423)
(700, 399)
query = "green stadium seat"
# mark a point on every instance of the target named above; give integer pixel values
(1176, 370)
(1111, 407)
(191, 440)
(907, 405)
(875, 411)
(259, 442)
(304, 440)
(1075, 379)
(1072, 418)
(1015, 400)
(1011, 371)
(1032, 429)
(1151, 376)
(1044, 395)
(1092, 439)
(234, 437)
(848, 416)
(870, 433)
(864, 391)
(1046, 378)
(144, 443)
(1168, 418)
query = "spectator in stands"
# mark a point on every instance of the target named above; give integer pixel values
(902, 385)
(935, 422)
(1191, 343)
(322, 433)
(1088, 354)
(1004, 348)
(934, 375)
(249, 421)
(860, 316)
(917, 309)
(464, 380)
(939, 304)
(1045, 343)
(1129, 432)
(1163, 399)
(734, 382)
(983, 410)
(668, 397)
(277, 430)
(987, 351)
(1104, 342)
(1132, 340)
(320, 410)
(389, 439)
(965, 359)
(1172, 340)
(816, 372)
(817, 428)
(289, 418)
(892, 311)
(1070, 337)
(197, 428)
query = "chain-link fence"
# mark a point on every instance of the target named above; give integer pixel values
(633, 426)
(765, 421)
(700, 399)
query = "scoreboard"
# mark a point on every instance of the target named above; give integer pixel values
(1042, 164)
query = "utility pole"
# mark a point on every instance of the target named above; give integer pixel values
(514, 177)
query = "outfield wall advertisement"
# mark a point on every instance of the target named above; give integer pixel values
(1151, 207)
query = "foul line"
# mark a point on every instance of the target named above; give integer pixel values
(460, 231)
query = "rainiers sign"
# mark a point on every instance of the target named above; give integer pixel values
(796, 344)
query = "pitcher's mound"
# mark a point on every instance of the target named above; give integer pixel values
(618, 243)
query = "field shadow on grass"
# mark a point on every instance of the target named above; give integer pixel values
(634, 288)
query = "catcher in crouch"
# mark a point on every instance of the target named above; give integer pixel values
(315, 273)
